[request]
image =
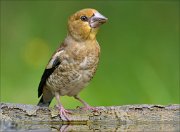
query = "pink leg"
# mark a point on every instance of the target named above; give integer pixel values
(62, 112)
(86, 105)
(64, 128)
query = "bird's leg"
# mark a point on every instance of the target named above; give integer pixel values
(86, 105)
(62, 111)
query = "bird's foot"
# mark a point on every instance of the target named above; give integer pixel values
(64, 128)
(63, 113)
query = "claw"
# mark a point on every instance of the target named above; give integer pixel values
(63, 113)
(86, 105)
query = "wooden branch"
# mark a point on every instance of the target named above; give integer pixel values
(112, 118)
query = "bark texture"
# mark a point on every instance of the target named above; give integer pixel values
(113, 118)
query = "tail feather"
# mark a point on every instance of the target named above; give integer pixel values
(46, 97)
(42, 103)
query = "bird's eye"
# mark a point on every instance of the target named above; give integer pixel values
(84, 18)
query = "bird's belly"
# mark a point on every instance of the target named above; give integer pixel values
(69, 83)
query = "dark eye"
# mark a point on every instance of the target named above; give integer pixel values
(84, 18)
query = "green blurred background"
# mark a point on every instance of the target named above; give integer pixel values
(139, 50)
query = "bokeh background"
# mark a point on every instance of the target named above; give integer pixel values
(140, 50)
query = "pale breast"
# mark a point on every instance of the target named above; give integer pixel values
(70, 79)
(77, 67)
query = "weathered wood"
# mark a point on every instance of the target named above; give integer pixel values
(112, 118)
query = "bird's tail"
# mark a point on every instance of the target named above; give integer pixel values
(46, 97)
(43, 103)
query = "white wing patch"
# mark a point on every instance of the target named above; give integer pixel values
(50, 64)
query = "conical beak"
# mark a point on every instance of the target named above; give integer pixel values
(96, 20)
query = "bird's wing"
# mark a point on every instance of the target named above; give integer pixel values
(54, 62)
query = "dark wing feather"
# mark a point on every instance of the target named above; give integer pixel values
(46, 74)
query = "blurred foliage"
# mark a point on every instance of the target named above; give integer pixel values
(139, 44)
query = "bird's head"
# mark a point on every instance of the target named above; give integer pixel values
(84, 24)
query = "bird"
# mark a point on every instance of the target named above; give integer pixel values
(74, 63)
